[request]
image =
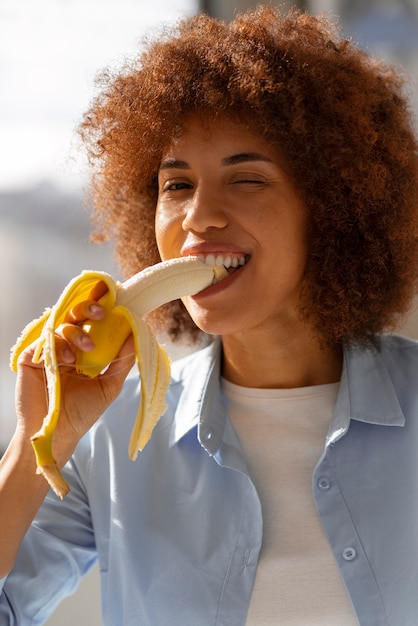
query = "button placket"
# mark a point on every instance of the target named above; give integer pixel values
(349, 553)
(324, 483)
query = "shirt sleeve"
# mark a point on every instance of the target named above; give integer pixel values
(58, 549)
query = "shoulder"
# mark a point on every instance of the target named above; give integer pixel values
(390, 350)
(382, 380)
(399, 364)
(399, 353)
(393, 342)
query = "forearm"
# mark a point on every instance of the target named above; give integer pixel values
(22, 492)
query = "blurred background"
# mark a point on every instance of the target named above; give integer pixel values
(50, 53)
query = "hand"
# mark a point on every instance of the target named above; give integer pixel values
(83, 400)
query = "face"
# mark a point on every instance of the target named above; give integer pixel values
(224, 196)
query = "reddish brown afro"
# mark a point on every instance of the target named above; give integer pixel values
(340, 119)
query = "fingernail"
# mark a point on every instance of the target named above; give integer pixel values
(86, 342)
(94, 309)
(68, 356)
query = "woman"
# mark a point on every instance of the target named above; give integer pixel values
(280, 486)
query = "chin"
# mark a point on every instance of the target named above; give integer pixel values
(214, 321)
(215, 325)
(210, 328)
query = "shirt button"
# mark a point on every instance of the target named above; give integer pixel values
(324, 483)
(349, 554)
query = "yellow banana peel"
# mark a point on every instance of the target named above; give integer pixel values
(126, 304)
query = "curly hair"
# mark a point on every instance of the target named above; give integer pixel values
(340, 119)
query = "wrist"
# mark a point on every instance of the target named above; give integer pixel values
(61, 448)
(19, 462)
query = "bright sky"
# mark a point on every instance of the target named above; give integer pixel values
(50, 52)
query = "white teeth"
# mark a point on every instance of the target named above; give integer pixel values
(219, 259)
(210, 260)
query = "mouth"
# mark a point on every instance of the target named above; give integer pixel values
(231, 262)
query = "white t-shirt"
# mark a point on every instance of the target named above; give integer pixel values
(282, 433)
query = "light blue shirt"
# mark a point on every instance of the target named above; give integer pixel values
(177, 533)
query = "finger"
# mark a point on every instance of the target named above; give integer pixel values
(87, 310)
(75, 337)
(65, 354)
(25, 358)
(98, 290)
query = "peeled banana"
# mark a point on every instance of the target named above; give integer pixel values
(126, 304)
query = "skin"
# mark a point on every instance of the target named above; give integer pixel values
(224, 190)
(22, 491)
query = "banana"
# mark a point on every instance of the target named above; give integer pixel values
(126, 304)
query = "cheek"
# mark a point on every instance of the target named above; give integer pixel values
(163, 232)
(169, 232)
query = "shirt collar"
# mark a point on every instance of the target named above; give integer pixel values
(201, 373)
(366, 393)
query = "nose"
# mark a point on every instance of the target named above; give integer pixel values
(204, 211)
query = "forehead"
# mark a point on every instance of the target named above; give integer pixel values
(222, 136)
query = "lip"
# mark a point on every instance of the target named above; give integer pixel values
(216, 248)
(220, 286)
(212, 248)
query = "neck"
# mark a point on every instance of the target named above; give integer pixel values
(275, 362)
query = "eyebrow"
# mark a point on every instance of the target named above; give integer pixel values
(244, 157)
(234, 159)
(169, 164)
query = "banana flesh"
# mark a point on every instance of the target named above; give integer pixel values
(126, 304)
